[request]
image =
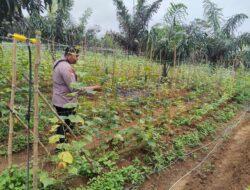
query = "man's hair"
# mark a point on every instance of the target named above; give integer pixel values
(71, 49)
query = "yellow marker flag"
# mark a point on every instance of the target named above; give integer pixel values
(22, 38)
(19, 37)
(33, 40)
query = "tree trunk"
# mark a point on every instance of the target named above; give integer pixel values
(174, 56)
(12, 99)
(164, 72)
(175, 71)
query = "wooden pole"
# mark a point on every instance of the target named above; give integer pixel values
(84, 47)
(13, 89)
(26, 127)
(36, 112)
(52, 47)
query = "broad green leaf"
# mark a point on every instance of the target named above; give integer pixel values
(53, 120)
(54, 128)
(73, 170)
(46, 180)
(78, 145)
(55, 138)
(73, 94)
(76, 119)
(151, 143)
(66, 157)
(119, 137)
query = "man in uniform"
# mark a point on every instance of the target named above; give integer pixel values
(63, 77)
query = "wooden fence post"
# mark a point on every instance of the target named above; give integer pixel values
(36, 112)
(12, 99)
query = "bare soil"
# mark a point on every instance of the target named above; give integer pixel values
(228, 168)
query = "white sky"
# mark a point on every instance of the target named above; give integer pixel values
(104, 11)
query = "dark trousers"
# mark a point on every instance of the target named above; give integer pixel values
(62, 130)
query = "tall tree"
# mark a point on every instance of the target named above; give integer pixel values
(222, 44)
(213, 15)
(174, 19)
(61, 16)
(213, 39)
(134, 26)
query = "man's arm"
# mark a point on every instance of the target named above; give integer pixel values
(94, 88)
(87, 90)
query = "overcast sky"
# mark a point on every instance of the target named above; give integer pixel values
(104, 11)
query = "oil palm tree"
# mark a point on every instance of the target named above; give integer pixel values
(222, 43)
(174, 20)
(134, 26)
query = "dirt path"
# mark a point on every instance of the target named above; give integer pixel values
(228, 168)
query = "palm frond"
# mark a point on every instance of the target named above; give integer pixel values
(175, 13)
(123, 16)
(134, 27)
(152, 9)
(244, 39)
(213, 14)
(233, 23)
(144, 13)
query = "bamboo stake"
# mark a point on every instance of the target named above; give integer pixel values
(53, 50)
(26, 127)
(12, 99)
(82, 50)
(36, 111)
(84, 47)
(113, 77)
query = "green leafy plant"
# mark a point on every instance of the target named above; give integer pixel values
(19, 144)
(116, 179)
(14, 179)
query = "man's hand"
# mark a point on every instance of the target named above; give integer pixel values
(94, 88)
